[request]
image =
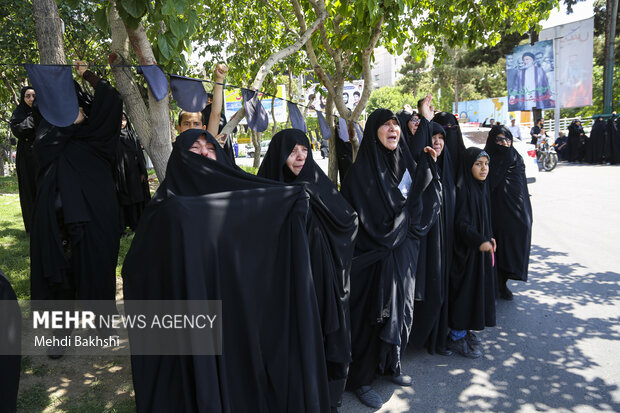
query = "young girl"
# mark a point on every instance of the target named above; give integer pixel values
(472, 283)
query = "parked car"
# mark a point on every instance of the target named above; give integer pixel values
(264, 145)
(475, 136)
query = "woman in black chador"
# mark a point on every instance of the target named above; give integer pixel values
(613, 135)
(331, 229)
(215, 232)
(511, 209)
(595, 145)
(132, 184)
(472, 282)
(385, 187)
(576, 138)
(454, 140)
(75, 240)
(22, 126)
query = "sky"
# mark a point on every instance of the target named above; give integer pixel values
(581, 11)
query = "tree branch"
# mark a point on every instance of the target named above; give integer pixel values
(10, 87)
(281, 17)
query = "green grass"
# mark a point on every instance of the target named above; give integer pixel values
(249, 169)
(8, 185)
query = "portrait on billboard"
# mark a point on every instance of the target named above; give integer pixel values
(530, 77)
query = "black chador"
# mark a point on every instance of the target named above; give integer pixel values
(386, 250)
(74, 241)
(576, 139)
(22, 126)
(511, 210)
(430, 315)
(214, 232)
(454, 139)
(472, 282)
(10, 343)
(132, 184)
(331, 229)
(613, 136)
(595, 145)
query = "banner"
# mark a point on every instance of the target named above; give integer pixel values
(351, 95)
(574, 50)
(479, 110)
(530, 75)
(233, 102)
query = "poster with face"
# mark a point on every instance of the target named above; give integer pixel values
(316, 96)
(530, 75)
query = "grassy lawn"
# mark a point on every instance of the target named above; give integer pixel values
(72, 384)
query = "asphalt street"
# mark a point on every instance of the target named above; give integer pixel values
(556, 347)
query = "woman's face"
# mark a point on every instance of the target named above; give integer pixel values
(123, 122)
(480, 170)
(204, 148)
(438, 143)
(389, 134)
(413, 124)
(29, 97)
(297, 159)
(502, 140)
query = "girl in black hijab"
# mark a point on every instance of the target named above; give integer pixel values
(576, 138)
(215, 232)
(22, 126)
(331, 229)
(472, 282)
(385, 187)
(132, 184)
(511, 209)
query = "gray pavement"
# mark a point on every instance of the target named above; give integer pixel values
(557, 345)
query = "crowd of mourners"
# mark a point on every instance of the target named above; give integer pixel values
(335, 284)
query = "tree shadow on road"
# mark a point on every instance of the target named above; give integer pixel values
(551, 350)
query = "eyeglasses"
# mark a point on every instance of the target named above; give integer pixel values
(502, 139)
(415, 121)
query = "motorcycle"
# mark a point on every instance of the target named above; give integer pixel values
(546, 155)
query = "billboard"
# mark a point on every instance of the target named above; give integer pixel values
(351, 95)
(233, 102)
(479, 110)
(574, 52)
(530, 76)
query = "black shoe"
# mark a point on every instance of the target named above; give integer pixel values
(462, 347)
(504, 292)
(445, 352)
(369, 397)
(402, 380)
(473, 340)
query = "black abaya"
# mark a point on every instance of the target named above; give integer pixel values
(575, 142)
(511, 210)
(75, 239)
(132, 183)
(595, 145)
(472, 279)
(10, 340)
(22, 126)
(454, 140)
(386, 250)
(613, 134)
(331, 229)
(214, 232)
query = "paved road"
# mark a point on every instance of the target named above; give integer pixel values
(557, 345)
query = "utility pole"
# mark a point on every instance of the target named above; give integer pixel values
(608, 71)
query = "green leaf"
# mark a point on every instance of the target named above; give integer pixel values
(164, 48)
(101, 18)
(135, 8)
(178, 27)
(169, 8)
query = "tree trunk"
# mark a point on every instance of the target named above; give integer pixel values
(49, 32)
(456, 94)
(125, 80)
(256, 141)
(160, 143)
(332, 160)
(611, 12)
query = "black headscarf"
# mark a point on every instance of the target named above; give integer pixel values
(511, 207)
(575, 141)
(420, 139)
(613, 133)
(453, 138)
(205, 216)
(331, 228)
(472, 281)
